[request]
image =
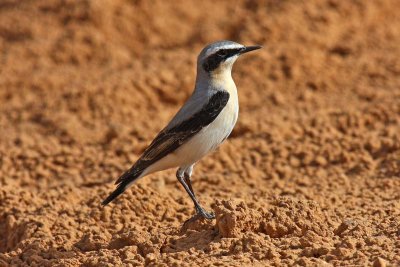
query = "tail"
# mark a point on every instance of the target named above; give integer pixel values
(120, 189)
(123, 183)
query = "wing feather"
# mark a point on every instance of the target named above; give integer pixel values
(169, 139)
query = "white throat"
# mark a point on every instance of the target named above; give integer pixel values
(220, 78)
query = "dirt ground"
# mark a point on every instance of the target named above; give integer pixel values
(310, 176)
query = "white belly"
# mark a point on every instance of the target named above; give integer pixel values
(208, 139)
(204, 142)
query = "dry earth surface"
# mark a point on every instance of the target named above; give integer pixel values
(310, 175)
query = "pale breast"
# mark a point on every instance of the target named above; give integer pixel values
(227, 119)
(206, 140)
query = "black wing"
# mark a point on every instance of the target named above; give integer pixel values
(168, 140)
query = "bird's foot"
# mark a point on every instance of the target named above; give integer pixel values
(207, 215)
(200, 214)
(198, 222)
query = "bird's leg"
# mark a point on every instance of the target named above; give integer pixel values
(185, 182)
(186, 175)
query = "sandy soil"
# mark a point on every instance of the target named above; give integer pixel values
(310, 175)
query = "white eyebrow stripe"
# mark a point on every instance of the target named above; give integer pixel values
(215, 49)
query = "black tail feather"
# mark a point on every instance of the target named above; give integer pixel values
(123, 182)
(130, 174)
(118, 191)
(123, 177)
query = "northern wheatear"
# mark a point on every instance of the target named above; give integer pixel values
(199, 127)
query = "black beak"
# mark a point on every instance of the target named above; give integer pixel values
(250, 48)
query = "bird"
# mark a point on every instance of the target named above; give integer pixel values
(205, 120)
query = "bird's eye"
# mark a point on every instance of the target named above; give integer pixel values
(222, 53)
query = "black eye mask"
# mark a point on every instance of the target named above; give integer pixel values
(213, 61)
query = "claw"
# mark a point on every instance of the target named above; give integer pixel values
(207, 215)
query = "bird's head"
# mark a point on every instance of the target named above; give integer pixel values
(218, 58)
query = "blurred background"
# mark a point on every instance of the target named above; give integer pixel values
(85, 86)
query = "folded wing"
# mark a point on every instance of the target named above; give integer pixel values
(169, 139)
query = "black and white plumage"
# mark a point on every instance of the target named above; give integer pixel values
(199, 127)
